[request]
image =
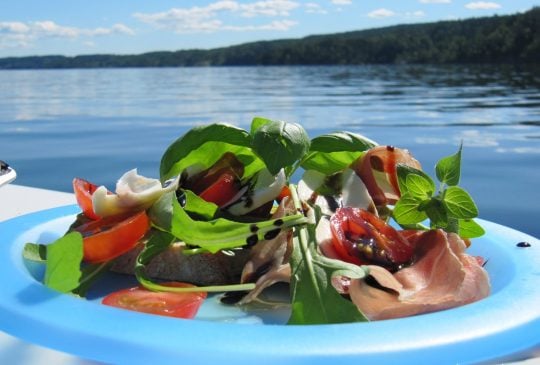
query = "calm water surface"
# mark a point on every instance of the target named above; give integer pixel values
(97, 124)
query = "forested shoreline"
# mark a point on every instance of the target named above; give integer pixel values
(496, 39)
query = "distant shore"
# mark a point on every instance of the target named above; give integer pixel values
(497, 39)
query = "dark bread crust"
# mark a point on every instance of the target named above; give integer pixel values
(200, 269)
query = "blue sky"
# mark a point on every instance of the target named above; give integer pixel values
(72, 27)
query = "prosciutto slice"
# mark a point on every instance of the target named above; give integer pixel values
(378, 170)
(269, 260)
(443, 277)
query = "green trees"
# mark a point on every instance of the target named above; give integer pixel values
(497, 39)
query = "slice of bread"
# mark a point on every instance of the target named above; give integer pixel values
(200, 269)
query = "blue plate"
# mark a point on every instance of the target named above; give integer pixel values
(506, 325)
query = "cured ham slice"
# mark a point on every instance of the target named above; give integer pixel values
(269, 260)
(443, 277)
(378, 170)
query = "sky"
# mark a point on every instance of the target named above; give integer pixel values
(76, 27)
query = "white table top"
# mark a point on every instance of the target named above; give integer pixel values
(17, 200)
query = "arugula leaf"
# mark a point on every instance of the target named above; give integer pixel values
(448, 169)
(64, 257)
(89, 274)
(205, 145)
(314, 299)
(280, 144)
(35, 252)
(215, 234)
(331, 153)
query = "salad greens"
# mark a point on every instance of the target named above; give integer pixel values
(450, 207)
(270, 146)
(314, 299)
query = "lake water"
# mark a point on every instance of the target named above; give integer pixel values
(99, 123)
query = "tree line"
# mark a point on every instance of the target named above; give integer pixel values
(496, 39)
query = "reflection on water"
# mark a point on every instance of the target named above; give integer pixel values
(99, 123)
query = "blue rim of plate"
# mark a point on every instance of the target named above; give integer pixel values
(503, 326)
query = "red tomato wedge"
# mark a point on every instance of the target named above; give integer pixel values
(222, 190)
(360, 237)
(139, 299)
(83, 193)
(107, 238)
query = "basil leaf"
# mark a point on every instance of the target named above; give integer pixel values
(436, 213)
(330, 153)
(64, 257)
(403, 171)
(468, 228)
(257, 123)
(459, 203)
(280, 145)
(419, 186)
(406, 210)
(448, 169)
(205, 145)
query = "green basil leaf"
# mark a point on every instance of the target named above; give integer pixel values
(419, 186)
(257, 123)
(436, 213)
(205, 145)
(280, 145)
(64, 257)
(448, 169)
(403, 171)
(331, 153)
(468, 228)
(406, 211)
(459, 203)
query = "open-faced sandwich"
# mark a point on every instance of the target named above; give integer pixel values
(363, 234)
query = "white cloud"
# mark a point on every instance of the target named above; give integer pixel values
(342, 2)
(435, 1)
(19, 34)
(268, 8)
(482, 5)
(381, 13)
(314, 8)
(207, 18)
(415, 14)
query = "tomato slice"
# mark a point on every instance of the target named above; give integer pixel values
(222, 190)
(83, 193)
(285, 192)
(360, 237)
(107, 238)
(139, 299)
